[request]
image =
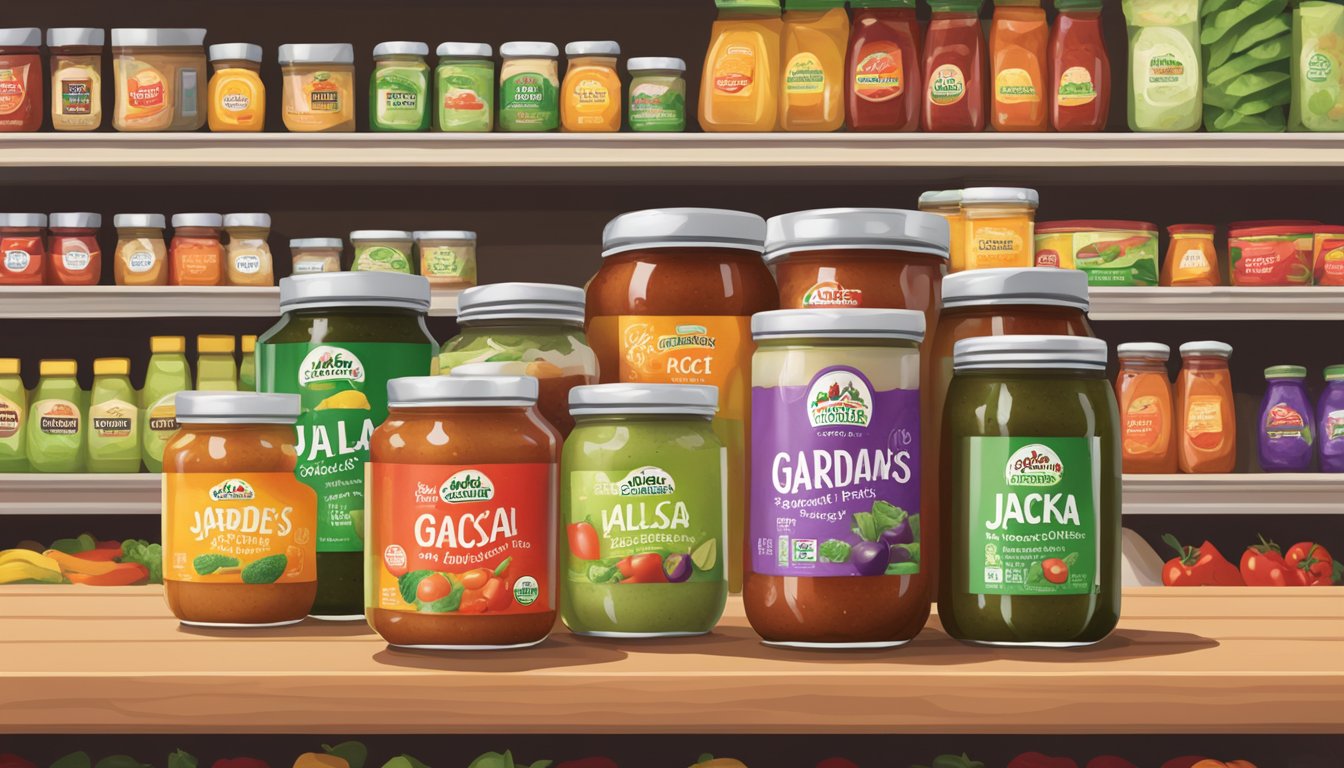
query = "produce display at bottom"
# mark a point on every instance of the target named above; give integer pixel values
(83, 560)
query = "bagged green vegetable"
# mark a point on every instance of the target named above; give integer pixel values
(1317, 75)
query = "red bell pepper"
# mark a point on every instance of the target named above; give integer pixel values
(123, 575)
(11, 760)
(98, 554)
(1262, 565)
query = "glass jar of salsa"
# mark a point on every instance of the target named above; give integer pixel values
(642, 502)
(954, 68)
(23, 255)
(1080, 70)
(72, 247)
(1019, 38)
(195, 254)
(1208, 439)
(833, 552)
(1031, 493)
(1192, 257)
(672, 304)
(239, 529)
(21, 98)
(885, 84)
(1143, 390)
(526, 329)
(462, 550)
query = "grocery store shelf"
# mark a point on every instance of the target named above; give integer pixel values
(113, 301)
(1226, 303)
(1238, 660)
(84, 494)
(1242, 494)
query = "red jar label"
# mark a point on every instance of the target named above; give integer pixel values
(879, 74)
(453, 539)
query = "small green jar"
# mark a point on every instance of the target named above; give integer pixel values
(529, 87)
(657, 95)
(399, 87)
(464, 88)
(644, 510)
(1030, 493)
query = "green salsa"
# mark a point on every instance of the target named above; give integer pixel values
(1031, 493)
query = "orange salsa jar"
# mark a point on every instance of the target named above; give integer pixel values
(239, 530)
(463, 515)
(1143, 391)
(672, 304)
(1208, 440)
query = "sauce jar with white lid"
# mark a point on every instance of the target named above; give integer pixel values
(382, 250)
(76, 78)
(529, 87)
(142, 255)
(447, 257)
(249, 261)
(399, 89)
(160, 79)
(72, 246)
(316, 254)
(319, 87)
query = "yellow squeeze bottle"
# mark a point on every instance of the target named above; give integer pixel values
(812, 88)
(739, 90)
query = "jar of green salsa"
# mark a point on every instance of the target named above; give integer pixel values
(1030, 493)
(644, 508)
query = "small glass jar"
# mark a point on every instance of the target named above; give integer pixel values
(462, 523)
(1000, 226)
(249, 256)
(20, 79)
(1330, 413)
(657, 95)
(316, 254)
(382, 250)
(160, 79)
(73, 250)
(465, 88)
(239, 529)
(319, 87)
(237, 94)
(642, 490)
(399, 87)
(142, 256)
(834, 556)
(1287, 422)
(590, 99)
(529, 87)
(947, 203)
(195, 254)
(447, 257)
(1147, 409)
(1204, 400)
(76, 78)
(1192, 257)
(536, 330)
(1031, 518)
(22, 249)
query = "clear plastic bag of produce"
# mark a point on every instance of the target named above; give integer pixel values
(1318, 67)
(1246, 48)
(1165, 77)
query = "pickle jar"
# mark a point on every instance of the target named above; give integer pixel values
(1031, 471)
(316, 254)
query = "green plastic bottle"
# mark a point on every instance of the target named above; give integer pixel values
(13, 417)
(216, 368)
(113, 436)
(57, 419)
(247, 369)
(167, 375)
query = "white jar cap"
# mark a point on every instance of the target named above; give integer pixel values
(21, 37)
(593, 48)
(25, 220)
(1143, 350)
(883, 229)
(198, 220)
(400, 48)
(656, 63)
(60, 37)
(684, 228)
(473, 50)
(237, 408)
(941, 198)
(857, 323)
(1017, 286)
(354, 289)
(528, 49)
(379, 234)
(521, 301)
(151, 220)
(317, 242)
(235, 52)
(1001, 195)
(987, 352)
(502, 368)
(443, 234)
(462, 391)
(1206, 349)
(317, 53)
(149, 37)
(644, 400)
(247, 220)
(75, 220)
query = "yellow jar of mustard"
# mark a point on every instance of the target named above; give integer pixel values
(947, 203)
(237, 96)
(319, 87)
(999, 229)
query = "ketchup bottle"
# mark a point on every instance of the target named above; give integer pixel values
(885, 80)
(1080, 71)
(954, 68)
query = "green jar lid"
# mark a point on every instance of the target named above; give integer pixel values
(1334, 373)
(1286, 372)
(1077, 5)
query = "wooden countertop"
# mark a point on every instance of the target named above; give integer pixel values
(73, 659)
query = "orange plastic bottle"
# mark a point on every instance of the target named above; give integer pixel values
(1019, 38)
(1143, 390)
(1208, 439)
(739, 89)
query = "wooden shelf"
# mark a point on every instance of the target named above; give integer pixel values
(1226, 303)
(116, 301)
(1183, 661)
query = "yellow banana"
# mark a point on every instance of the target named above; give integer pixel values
(14, 571)
(28, 556)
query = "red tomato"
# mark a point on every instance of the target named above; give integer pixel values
(1262, 566)
(496, 596)
(10, 760)
(433, 587)
(1056, 570)
(627, 568)
(648, 568)
(583, 542)
(1310, 564)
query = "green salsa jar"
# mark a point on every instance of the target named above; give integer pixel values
(399, 91)
(642, 495)
(464, 87)
(1030, 493)
(341, 337)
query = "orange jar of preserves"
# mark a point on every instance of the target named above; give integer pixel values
(462, 528)
(239, 530)
(1208, 440)
(1143, 391)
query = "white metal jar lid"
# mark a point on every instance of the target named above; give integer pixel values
(316, 53)
(940, 198)
(235, 52)
(61, 37)
(443, 234)
(75, 220)
(858, 323)
(21, 37)
(986, 352)
(1032, 286)
(23, 220)
(1206, 349)
(151, 220)
(473, 50)
(212, 220)
(462, 391)
(400, 48)
(656, 64)
(1143, 350)
(237, 407)
(684, 228)
(593, 48)
(247, 220)
(149, 37)
(643, 400)
(379, 234)
(1001, 195)
(317, 242)
(529, 49)
(521, 301)
(355, 289)
(865, 228)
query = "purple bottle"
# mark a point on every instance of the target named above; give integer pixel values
(1286, 421)
(1331, 410)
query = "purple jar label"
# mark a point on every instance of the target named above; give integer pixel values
(835, 478)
